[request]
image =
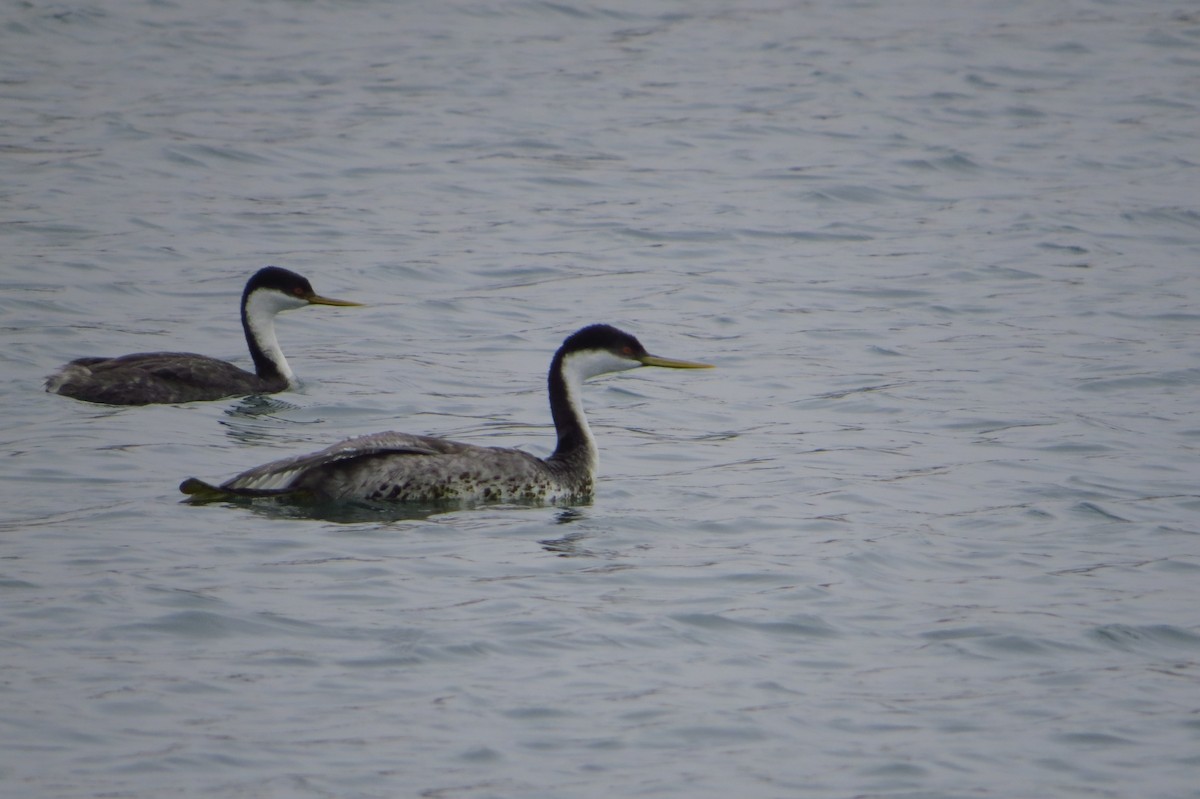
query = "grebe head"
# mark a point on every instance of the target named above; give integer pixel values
(600, 349)
(280, 289)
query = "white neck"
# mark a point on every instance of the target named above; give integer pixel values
(578, 367)
(261, 308)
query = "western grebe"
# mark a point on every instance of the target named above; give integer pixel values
(152, 377)
(399, 467)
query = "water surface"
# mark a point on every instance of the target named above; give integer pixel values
(929, 530)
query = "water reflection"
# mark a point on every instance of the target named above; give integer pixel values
(359, 511)
(255, 419)
(259, 405)
(575, 543)
(569, 546)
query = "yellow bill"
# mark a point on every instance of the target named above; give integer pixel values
(317, 299)
(672, 363)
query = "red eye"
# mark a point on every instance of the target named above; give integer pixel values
(299, 292)
(627, 351)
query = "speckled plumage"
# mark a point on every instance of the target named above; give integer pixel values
(398, 467)
(146, 378)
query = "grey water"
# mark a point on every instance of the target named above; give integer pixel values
(930, 529)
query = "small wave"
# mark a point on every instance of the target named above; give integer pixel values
(1147, 638)
(1176, 379)
(809, 627)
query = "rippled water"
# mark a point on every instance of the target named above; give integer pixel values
(930, 529)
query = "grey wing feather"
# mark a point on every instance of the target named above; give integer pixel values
(280, 475)
(406, 468)
(150, 377)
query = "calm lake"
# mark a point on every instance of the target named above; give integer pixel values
(931, 528)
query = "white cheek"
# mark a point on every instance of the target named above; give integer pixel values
(269, 303)
(583, 365)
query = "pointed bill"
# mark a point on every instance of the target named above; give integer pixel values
(317, 299)
(672, 363)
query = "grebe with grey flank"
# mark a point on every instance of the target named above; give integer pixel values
(162, 377)
(398, 467)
